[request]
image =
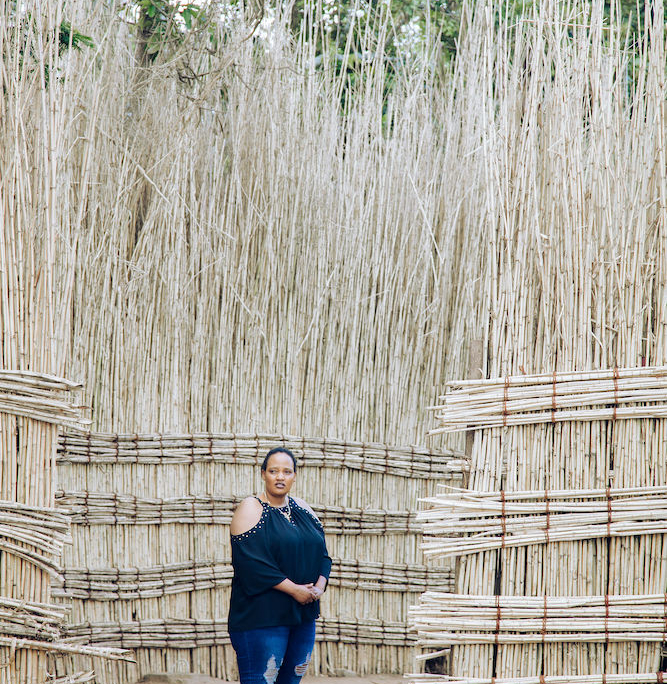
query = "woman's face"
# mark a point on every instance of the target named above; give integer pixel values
(279, 474)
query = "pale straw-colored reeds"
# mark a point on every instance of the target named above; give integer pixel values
(459, 522)
(111, 584)
(443, 619)
(245, 254)
(167, 594)
(617, 394)
(568, 144)
(79, 678)
(637, 678)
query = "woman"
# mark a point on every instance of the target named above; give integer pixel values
(281, 568)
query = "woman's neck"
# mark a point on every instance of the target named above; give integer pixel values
(276, 501)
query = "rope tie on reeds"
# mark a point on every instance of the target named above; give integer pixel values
(542, 679)
(616, 375)
(553, 398)
(547, 518)
(503, 520)
(659, 677)
(581, 396)
(606, 621)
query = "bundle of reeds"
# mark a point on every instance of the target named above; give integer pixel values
(617, 394)
(114, 584)
(27, 619)
(188, 633)
(498, 520)
(311, 452)
(447, 619)
(35, 534)
(79, 678)
(105, 508)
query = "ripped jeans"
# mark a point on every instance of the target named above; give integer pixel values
(274, 655)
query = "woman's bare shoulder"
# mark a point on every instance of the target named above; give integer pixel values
(246, 515)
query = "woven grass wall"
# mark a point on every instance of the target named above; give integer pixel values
(568, 143)
(257, 251)
(150, 567)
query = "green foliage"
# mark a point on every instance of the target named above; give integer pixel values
(70, 38)
(163, 25)
(65, 36)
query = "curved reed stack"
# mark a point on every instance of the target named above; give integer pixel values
(32, 536)
(149, 568)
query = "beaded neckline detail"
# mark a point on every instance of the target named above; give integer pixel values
(285, 511)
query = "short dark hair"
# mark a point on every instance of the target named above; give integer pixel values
(278, 450)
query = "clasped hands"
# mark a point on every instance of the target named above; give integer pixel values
(307, 593)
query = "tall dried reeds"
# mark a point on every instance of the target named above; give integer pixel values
(567, 146)
(280, 247)
(36, 266)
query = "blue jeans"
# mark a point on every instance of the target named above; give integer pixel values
(274, 655)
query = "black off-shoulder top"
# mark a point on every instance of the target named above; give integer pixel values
(275, 549)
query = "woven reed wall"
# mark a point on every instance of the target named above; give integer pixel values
(575, 279)
(149, 567)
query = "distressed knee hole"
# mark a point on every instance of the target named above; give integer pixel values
(300, 670)
(271, 672)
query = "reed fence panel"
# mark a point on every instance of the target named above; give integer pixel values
(574, 273)
(149, 566)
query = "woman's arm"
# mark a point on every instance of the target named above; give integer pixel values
(303, 593)
(319, 587)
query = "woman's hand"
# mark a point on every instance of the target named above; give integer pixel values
(303, 593)
(319, 587)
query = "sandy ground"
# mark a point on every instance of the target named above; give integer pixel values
(201, 679)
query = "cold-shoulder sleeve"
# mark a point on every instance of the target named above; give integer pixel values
(325, 567)
(254, 564)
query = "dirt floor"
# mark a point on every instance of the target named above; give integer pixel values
(204, 679)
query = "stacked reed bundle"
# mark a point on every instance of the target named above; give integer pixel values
(446, 619)
(80, 678)
(35, 534)
(495, 520)
(310, 452)
(189, 633)
(112, 584)
(639, 678)
(32, 537)
(108, 508)
(618, 394)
